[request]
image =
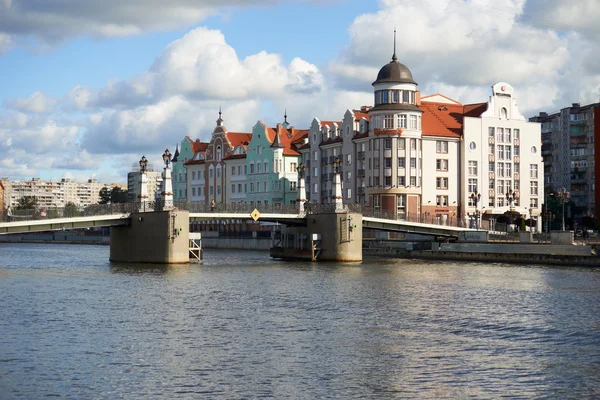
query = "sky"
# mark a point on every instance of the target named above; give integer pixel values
(88, 87)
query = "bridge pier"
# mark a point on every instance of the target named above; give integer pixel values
(333, 236)
(152, 237)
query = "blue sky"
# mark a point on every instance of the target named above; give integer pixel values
(86, 88)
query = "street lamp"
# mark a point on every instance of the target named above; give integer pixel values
(143, 164)
(475, 198)
(530, 219)
(301, 168)
(563, 197)
(510, 196)
(337, 164)
(167, 157)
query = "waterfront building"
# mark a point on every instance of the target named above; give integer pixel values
(210, 163)
(183, 153)
(272, 161)
(429, 158)
(569, 138)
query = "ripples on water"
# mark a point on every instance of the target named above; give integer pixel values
(241, 325)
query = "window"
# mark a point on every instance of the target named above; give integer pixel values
(385, 98)
(266, 167)
(473, 185)
(388, 181)
(413, 122)
(395, 96)
(507, 152)
(413, 181)
(193, 191)
(292, 186)
(401, 181)
(507, 135)
(517, 168)
(441, 201)
(413, 144)
(533, 203)
(218, 153)
(388, 121)
(251, 168)
(251, 187)
(387, 143)
(316, 172)
(507, 168)
(193, 174)
(293, 167)
(402, 121)
(413, 162)
(401, 161)
(348, 193)
(533, 171)
(258, 186)
(315, 188)
(376, 144)
(504, 113)
(348, 159)
(500, 152)
(491, 149)
(517, 151)
(239, 188)
(499, 135)
(441, 183)
(219, 190)
(376, 203)
(516, 133)
(376, 181)
(388, 162)
(211, 190)
(401, 143)
(258, 167)
(219, 171)
(210, 172)
(473, 168)
(376, 163)
(491, 166)
(405, 96)
(441, 147)
(533, 186)
(491, 131)
(491, 184)
(499, 187)
(500, 170)
(348, 176)
(441, 165)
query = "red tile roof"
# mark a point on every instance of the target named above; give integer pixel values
(238, 139)
(234, 156)
(199, 146)
(358, 115)
(193, 162)
(443, 119)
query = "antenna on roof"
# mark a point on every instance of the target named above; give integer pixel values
(285, 116)
(394, 58)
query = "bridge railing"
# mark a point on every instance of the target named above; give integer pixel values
(69, 212)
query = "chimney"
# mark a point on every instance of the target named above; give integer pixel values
(418, 97)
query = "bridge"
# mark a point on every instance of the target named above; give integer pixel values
(162, 236)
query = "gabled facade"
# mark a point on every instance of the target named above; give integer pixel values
(272, 161)
(183, 152)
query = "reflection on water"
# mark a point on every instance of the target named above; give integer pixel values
(241, 325)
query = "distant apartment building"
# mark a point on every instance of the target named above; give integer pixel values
(569, 140)
(54, 194)
(1, 201)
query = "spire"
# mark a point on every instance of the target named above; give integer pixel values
(176, 153)
(220, 120)
(276, 143)
(285, 122)
(394, 58)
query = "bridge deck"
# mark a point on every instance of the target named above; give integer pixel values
(413, 227)
(41, 225)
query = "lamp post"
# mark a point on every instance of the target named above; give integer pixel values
(475, 198)
(510, 196)
(143, 185)
(530, 219)
(167, 189)
(337, 190)
(301, 190)
(563, 196)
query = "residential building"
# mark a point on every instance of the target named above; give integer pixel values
(179, 171)
(1, 201)
(569, 140)
(55, 194)
(153, 185)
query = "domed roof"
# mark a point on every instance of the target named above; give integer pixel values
(394, 72)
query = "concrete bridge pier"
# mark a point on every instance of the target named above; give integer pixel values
(152, 237)
(329, 236)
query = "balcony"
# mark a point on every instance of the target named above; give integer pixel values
(361, 155)
(361, 173)
(331, 177)
(332, 159)
(323, 193)
(307, 164)
(324, 161)
(360, 190)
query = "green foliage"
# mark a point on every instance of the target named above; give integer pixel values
(71, 210)
(27, 203)
(118, 195)
(104, 195)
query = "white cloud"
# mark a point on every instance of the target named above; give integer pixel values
(459, 48)
(5, 42)
(38, 102)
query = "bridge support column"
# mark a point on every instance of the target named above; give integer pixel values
(152, 237)
(341, 235)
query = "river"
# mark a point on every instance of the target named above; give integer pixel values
(74, 325)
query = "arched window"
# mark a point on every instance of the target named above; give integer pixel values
(218, 155)
(504, 113)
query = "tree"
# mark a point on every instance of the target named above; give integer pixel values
(105, 195)
(118, 195)
(27, 203)
(71, 210)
